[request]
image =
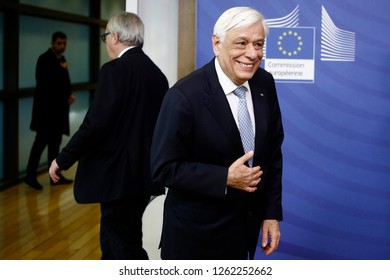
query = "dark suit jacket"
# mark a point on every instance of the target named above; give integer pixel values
(52, 92)
(113, 142)
(196, 139)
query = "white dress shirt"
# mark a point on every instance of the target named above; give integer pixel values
(228, 86)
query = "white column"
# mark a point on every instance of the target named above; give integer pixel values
(132, 6)
(161, 31)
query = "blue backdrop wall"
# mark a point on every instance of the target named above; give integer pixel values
(331, 63)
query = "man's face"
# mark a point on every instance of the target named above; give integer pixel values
(241, 52)
(59, 46)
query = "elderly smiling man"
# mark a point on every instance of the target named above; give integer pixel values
(217, 147)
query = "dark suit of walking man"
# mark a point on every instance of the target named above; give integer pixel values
(113, 143)
(216, 204)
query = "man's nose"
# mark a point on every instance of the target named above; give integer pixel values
(251, 51)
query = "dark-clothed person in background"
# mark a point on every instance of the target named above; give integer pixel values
(113, 143)
(220, 195)
(50, 115)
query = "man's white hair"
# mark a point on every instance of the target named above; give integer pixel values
(238, 18)
(128, 26)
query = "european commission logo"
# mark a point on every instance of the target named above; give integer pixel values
(289, 52)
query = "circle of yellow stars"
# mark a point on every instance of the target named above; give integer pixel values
(299, 45)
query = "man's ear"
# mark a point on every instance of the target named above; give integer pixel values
(216, 44)
(115, 37)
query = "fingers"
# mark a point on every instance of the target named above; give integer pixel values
(54, 177)
(249, 189)
(271, 247)
(251, 177)
(264, 238)
(245, 157)
(71, 99)
(54, 170)
(242, 177)
(270, 231)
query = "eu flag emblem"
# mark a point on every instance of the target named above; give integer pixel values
(290, 43)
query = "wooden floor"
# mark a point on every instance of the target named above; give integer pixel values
(47, 224)
(50, 225)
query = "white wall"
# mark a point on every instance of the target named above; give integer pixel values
(160, 18)
(161, 31)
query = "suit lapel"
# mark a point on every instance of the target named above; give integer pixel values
(219, 107)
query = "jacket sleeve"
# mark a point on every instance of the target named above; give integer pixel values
(171, 159)
(98, 120)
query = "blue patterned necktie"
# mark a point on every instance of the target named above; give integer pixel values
(244, 122)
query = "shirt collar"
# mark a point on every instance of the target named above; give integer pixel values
(227, 85)
(125, 50)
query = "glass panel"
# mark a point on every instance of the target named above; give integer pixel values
(35, 38)
(1, 103)
(103, 51)
(109, 7)
(80, 7)
(77, 113)
(1, 51)
(1, 142)
(26, 136)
